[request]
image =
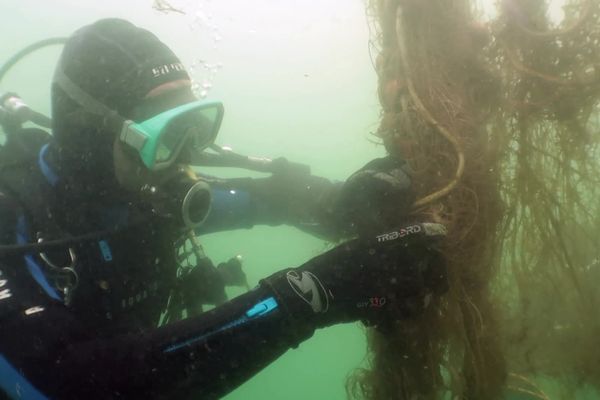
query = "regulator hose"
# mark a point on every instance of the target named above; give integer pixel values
(28, 50)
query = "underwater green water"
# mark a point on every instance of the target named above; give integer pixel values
(297, 81)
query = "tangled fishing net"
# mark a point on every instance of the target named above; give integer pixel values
(499, 121)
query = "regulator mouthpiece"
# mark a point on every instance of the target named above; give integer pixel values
(196, 204)
(184, 198)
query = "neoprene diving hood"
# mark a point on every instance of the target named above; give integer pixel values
(117, 64)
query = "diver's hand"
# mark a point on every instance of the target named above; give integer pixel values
(232, 273)
(372, 196)
(386, 277)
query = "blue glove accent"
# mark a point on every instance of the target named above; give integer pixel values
(260, 309)
(34, 268)
(15, 385)
(230, 209)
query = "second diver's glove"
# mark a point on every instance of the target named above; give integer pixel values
(382, 278)
(373, 196)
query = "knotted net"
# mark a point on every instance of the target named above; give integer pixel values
(499, 121)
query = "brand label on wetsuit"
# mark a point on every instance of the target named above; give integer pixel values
(138, 297)
(5, 292)
(408, 230)
(167, 69)
(372, 302)
(310, 289)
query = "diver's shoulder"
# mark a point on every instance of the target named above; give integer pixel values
(10, 210)
(22, 147)
(20, 175)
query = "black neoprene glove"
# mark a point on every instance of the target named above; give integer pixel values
(373, 198)
(381, 278)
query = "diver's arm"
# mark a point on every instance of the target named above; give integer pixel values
(50, 353)
(305, 201)
(377, 196)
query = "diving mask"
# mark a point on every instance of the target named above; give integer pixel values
(160, 139)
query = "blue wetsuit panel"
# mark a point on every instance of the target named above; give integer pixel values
(15, 385)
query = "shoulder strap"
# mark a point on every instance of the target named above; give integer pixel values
(22, 180)
(21, 176)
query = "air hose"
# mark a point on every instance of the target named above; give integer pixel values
(28, 50)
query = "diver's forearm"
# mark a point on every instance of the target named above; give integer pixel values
(306, 202)
(222, 348)
(206, 356)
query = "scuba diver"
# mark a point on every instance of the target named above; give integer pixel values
(103, 281)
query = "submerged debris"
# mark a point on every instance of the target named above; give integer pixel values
(164, 6)
(499, 121)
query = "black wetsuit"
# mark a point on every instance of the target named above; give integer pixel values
(105, 342)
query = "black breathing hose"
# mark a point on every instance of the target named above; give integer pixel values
(28, 50)
(27, 114)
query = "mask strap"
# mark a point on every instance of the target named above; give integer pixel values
(111, 117)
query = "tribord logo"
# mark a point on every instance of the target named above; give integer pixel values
(402, 232)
